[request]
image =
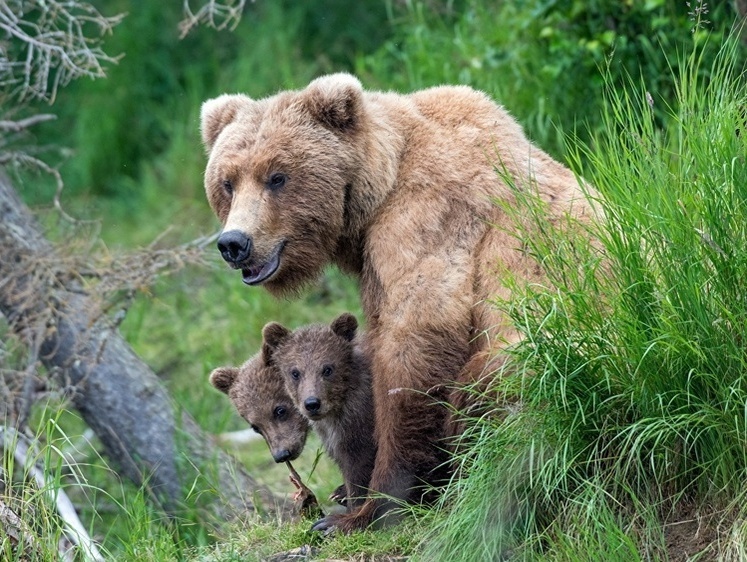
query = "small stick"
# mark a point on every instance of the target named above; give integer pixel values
(304, 499)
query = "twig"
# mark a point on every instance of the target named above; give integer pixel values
(16, 126)
(65, 509)
(33, 162)
(215, 14)
(304, 499)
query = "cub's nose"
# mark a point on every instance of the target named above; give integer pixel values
(312, 404)
(234, 246)
(281, 456)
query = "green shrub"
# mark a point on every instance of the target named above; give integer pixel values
(629, 389)
(542, 58)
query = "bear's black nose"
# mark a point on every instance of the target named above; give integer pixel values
(281, 456)
(234, 246)
(312, 404)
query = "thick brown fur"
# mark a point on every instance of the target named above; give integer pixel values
(258, 394)
(328, 374)
(400, 191)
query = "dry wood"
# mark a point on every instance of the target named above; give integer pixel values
(116, 393)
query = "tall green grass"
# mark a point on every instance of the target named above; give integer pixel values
(628, 395)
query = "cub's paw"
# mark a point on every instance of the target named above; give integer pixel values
(340, 495)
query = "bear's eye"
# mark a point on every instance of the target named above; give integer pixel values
(327, 370)
(295, 374)
(228, 187)
(256, 429)
(276, 181)
(279, 412)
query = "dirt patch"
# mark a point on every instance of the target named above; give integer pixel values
(693, 531)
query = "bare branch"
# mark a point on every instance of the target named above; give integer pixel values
(50, 44)
(23, 124)
(218, 15)
(25, 159)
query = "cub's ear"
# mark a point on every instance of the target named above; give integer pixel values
(223, 378)
(217, 113)
(273, 334)
(336, 101)
(345, 326)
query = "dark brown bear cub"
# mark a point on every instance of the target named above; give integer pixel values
(258, 393)
(329, 377)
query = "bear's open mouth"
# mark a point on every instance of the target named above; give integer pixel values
(261, 272)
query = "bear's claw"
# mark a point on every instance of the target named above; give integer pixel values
(339, 495)
(325, 525)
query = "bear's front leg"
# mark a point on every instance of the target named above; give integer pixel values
(411, 459)
(410, 422)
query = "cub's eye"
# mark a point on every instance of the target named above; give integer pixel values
(228, 187)
(279, 412)
(327, 370)
(256, 429)
(295, 374)
(276, 181)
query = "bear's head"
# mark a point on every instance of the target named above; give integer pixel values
(278, 177)
(317, 363)
(258, 393)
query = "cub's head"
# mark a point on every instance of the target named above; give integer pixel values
(278, 177)
(259, 395)
(317, 363)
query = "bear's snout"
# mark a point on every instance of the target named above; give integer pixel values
(282, 455)
(312, 405)
(234, 246)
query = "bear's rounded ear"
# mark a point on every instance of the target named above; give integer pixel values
(273, 334)
(223, 378)
(336, 101)
(345, 326)
(217, 113)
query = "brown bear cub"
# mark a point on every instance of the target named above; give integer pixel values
(258, 393)
(329, 377)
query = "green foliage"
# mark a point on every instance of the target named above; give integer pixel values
(30, 504)
(628, 398)
(542, 58)
(126, 129)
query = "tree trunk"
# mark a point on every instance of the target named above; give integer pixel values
(117, 394)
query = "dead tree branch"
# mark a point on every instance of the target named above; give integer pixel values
(218, 15)
(52, 45)
(118, 396)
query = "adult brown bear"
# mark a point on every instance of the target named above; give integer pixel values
(400, 191)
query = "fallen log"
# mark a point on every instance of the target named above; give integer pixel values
(116, 393)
